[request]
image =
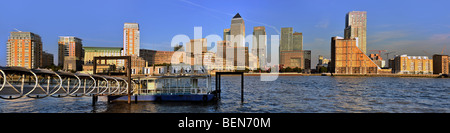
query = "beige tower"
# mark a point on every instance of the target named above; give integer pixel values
(356, 26)
(131, 39)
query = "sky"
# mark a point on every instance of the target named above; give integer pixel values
(413, 27)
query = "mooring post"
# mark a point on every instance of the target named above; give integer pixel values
(242, 87)
(94, 99)
(220, 90)
(129, 78)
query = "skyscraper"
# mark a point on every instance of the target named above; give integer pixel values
(286, 39)
(131, 39)
(356, 26)
(226, 34)
(70, 48)
(291, 49)
(297, 41)
(237, 31)
(235, 54)
(259, 45)
(24, 49)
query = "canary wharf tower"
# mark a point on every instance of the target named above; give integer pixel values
(237, 31)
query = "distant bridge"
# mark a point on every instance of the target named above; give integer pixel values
(19, 82)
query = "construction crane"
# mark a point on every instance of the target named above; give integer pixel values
(379, 51)
(391, 52)
(387, 54)
(425, 52)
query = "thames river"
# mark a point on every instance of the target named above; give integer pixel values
(287, 94)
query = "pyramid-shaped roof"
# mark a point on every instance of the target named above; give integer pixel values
(237, 16)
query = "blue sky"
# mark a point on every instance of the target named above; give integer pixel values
(410, 27)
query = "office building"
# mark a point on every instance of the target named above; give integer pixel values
(307, 61)
(226, 34)
(131, 39)
(70, 48)
(228, 57)
(259, 46)
(291, 50)
(405, 64)
(347, 58)
(232, 53)
(237, 31)
(24, 49)
(356, 27)
(286, 39)
(292, 59)
(440, 64)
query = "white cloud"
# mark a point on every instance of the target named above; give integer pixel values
(323, 24)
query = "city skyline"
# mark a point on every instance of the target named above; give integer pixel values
(415, 31)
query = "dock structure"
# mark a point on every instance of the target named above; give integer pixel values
(127, 67)
(19, 82)
(219, 78)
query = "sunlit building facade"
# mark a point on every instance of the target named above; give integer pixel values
(24, 49)
(405, 64)
(347, 58)
(131, 39)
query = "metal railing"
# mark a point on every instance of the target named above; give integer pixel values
(17, 82)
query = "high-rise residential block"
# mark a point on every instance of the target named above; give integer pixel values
(259, 46)
(70, 48)
(356, 26)
(131, 37)
(24, 49)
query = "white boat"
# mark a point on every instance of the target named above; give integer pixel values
(179, 85)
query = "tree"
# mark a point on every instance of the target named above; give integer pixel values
(298, 70)
(323, 69)
(288, 69)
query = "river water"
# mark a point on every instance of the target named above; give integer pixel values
(287, 94)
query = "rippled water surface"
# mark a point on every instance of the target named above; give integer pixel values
(288, 94)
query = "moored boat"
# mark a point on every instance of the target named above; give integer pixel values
(179, 85)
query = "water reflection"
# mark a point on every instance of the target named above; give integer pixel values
(287, 94)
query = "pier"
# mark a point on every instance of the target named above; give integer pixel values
(18, 82)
